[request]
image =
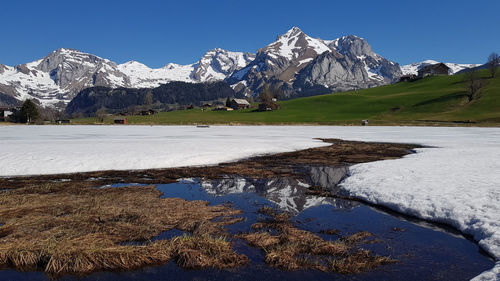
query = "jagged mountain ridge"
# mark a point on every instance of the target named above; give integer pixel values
(57, 78)
(297, 64)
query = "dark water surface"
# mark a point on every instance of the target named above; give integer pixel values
(424, 251)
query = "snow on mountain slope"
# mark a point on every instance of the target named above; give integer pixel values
(21, 84)
(293, 44)
(296, 64)
(141, 76)
(55, 79)
(454, 67)
(217, 64)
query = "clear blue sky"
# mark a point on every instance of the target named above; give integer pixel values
(159, 32)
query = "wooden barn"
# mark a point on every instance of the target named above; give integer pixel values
(433, 70)
(239, 104)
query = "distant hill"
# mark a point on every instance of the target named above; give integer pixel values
(432, 100)
(89, 100)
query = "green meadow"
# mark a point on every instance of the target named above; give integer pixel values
(429, 101)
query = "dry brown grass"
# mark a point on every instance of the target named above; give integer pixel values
(292, 248)
(74, 228)
(204, 251)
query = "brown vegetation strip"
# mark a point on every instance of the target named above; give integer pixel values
(292, 248)
(74, 228)
(282, 164)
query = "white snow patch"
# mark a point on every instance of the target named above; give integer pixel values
(374, 73)
(305, 61)
(489, 275)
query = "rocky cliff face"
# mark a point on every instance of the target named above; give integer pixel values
(278, 62)
(299, 65)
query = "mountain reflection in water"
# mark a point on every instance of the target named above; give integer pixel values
(288, 193)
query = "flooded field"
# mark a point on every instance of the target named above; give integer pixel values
(420, 250)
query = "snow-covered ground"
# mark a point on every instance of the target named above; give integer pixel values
(457, 182)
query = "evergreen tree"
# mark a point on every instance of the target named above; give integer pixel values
(29, 112)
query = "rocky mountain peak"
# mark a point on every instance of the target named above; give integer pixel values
(293, 45)
(218, 63)
(352, 46)
(298, 64)
(293, 32)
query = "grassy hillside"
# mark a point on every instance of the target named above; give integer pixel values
(433, 100)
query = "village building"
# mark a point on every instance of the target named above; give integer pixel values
(433, 70)
(63, 121)
(148, 112)
(407, 78)
(5, 113)
(239, 104)
(222, 108)
(268, 106)
(120, 120)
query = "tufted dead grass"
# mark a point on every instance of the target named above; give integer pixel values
(75, 228)
(291, 248)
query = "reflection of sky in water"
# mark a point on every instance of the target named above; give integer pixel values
(423, 252)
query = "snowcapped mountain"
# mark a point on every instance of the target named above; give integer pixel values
(281, 59)
(454, 67)
(218, 64)
(297, 64)
(215, 65)
(55, 79)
